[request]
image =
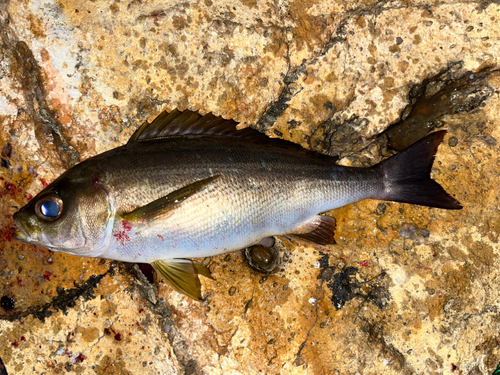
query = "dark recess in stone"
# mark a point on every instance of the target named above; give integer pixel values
(345, 286)
(7, 150)
(147, 271)
(66, 298)
(8, 303)
(3, 369)
(277, 108)
(177, 340)
(379, 296)
(6, 163)
(30, 75)
(338, 136)
(447, 93)
(376, 337)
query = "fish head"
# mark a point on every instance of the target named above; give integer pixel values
(71, 215)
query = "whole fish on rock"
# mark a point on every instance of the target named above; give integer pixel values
(192, 186)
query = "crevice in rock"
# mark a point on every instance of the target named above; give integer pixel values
(66, 298)
(29, 75)
(149, 291)
(299, 358)
(177, 341)
(3, 369)
(375, 337)
(276, 109)
(146, 287)
(449, 92)
(166, 321)
(337, 134)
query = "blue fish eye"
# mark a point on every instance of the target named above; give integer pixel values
(49, 209)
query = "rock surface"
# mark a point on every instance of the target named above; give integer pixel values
(407, 289)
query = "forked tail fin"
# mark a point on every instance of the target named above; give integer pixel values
(407, 176)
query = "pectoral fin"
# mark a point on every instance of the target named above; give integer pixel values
(182, 275)
(320, 230)
(167, 203)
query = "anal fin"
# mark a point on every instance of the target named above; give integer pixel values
(182, 275)
(319, 230)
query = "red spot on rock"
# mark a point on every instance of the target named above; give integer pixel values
(47, 275)
(9, 189)
(160, 237)
(8, 234)
(420, 267)
(79, 358)
(44, 182)
(364, 263)
(23, 338)
(15, 344)
(108, 331)
(19, 282)
(156, 15)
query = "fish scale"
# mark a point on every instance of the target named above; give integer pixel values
(290, 190)
(200, 188)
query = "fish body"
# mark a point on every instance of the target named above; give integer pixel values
(257, 194)
(203, 189)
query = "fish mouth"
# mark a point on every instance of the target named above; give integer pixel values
(21, 225)
(18, 235)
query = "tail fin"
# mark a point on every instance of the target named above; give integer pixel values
(407, 176)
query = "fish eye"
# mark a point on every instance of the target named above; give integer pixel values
(49, 208)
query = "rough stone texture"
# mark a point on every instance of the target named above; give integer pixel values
(406, 290)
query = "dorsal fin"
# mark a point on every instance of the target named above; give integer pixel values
(189, 123)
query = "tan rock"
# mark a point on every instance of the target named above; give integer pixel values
(407, 289)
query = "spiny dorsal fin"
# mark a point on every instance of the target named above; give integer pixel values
(192, 124)
(189, 123)
(319, 230)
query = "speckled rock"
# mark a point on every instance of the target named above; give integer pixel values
(406, 289)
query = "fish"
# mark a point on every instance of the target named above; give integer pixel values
(188, 186)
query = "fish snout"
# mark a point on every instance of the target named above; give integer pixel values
(22, 226)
